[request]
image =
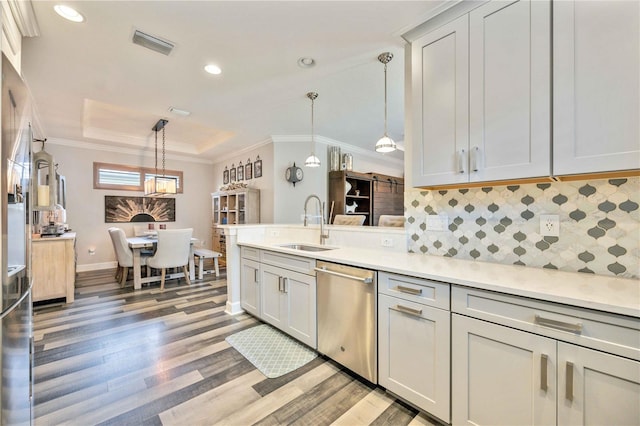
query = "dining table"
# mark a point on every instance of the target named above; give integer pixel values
(137, 244)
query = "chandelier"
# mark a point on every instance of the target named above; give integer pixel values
(160, 185)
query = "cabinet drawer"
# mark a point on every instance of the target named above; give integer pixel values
(598, 330)
(287, 261)
(431, 293)
(250, 253)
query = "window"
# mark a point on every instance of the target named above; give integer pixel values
(127, 178)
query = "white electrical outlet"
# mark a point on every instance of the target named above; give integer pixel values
(387, 242)
(437, 222)
(274, 233)
(549, 225)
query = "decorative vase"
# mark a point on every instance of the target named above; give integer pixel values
(347, 187)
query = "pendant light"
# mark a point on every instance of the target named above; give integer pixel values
(312, 160)
(159, 186)
(385, 143)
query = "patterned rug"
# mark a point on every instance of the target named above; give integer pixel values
(272, 352)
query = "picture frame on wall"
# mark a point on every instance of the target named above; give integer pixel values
(225, 176)
(248, 170)
(232, 174)
(240, 172)
(257, 167)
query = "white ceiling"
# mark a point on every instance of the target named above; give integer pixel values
(92, 84)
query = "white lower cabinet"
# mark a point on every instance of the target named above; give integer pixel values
(597, 388)
(280, 289)
(250, 286)
(499, 375)
(289, 302)
(521, 361)
(413, 338)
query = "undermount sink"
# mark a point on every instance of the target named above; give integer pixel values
(305, 247)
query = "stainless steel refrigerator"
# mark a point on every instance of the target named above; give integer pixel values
(16, 327)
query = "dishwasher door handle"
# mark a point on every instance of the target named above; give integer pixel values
(366, 280)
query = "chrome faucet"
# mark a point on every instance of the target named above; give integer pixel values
(323, 236)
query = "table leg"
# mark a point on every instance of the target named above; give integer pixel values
(192, 265)
(137, 273)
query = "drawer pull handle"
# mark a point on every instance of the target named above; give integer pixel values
(280, 284)
(409, 290)
(407, 310)
(285, 282)
(569, 385)
(560, 325)
(543, 372)
(255, 275)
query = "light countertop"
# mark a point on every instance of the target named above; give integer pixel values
(608, 294)
(65, 236)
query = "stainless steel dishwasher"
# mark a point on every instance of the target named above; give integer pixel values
(347, 317)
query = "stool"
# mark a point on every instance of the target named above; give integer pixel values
(203, 254)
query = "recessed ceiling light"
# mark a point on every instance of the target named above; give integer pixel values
(213, 69)
(306, 62)
(68, 13)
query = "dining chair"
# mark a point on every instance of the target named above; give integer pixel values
(173, 251)
(124, 254)
(391, 220)
(349, 219)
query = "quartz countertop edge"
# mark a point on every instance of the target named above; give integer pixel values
(608, 294)
(65, 236)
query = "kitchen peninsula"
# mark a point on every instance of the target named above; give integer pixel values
(463, 322)
(54, 267)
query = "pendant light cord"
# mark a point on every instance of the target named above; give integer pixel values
(313, 142)
(163, 172)
(385, 99)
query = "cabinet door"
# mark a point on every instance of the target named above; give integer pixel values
(272, 298)
(300, 291)
(509, 90)
(440, 96)
(49, 270)
(596, 388)
(596, 71)
(501, 376)
(414, 353)
(250, 286)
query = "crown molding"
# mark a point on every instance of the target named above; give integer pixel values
(120, 150)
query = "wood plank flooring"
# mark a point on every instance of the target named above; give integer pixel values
(119, 357)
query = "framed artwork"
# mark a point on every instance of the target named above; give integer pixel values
(225, 176)
(248, 170)
(118, 209)
(257, 167)
(240, 172)
(232, 174)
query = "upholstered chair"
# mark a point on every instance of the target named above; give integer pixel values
(173, 250)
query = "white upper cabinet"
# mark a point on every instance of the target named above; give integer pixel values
(11, 36)
(596, 71)
(481, 91)
(509, 90)
(440, 90)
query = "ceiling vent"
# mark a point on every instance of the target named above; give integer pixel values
(153, 43)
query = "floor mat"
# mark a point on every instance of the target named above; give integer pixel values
(272, 352)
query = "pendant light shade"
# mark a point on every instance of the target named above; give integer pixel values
(385, 143)
(312, 160)
(160, 186)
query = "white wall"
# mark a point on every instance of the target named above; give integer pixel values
(85, 205)
(264, 183)
(280, 201)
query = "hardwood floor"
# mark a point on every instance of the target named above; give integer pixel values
(119, 357)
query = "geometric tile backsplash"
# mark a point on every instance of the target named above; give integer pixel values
(599, 225)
